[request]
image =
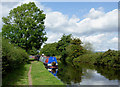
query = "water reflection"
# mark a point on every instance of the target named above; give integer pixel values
(96, 78)
(69, 74)
(88, 75)
(53, 71)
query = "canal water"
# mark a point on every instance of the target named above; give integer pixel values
(85, 74)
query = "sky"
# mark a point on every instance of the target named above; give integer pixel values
(94, 22)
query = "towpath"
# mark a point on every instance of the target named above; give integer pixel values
(29, 75)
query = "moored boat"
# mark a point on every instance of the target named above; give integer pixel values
(49, 62)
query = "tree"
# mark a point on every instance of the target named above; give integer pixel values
(74, 50)
(89, 47)
(33, 51)
(49, 49)
(62, 44)
(24, 26)
(109, 58)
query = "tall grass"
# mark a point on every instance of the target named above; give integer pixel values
(17, 77)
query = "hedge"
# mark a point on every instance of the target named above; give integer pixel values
(12, 57)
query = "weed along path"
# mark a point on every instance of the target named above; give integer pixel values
(41, 76)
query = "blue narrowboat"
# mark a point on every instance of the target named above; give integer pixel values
(49, 62)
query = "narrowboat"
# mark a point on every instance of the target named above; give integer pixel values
(49, 62)
(36, 57)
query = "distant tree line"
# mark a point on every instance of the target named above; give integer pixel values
(73, 50)
(109, 58)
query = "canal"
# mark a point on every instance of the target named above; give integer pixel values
(85, 74)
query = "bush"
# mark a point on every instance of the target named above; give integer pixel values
(88, 58)
(109, 58)
(12, 57)
(49, 49)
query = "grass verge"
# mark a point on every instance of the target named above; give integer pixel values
(17, 77)
(41, 76)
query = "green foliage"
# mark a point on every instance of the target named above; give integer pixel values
(49, 49)
(109, 58)
(88, 58)
(33, 51)
(61, 46)
(63, 43)
(12, 57)
(17, 77)
(74, 49)
(76, 41)
(68, 48)
(25, 26)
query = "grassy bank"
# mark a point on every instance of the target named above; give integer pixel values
(17, 77)
(41, 76)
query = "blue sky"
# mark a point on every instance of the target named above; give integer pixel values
(94, 22)
(79, 8)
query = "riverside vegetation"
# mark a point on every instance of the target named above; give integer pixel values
(73, 51)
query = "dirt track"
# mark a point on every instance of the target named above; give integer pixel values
(29, 75)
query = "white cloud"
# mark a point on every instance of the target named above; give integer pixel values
(98, 30)
(95, 27)
(5, 9)
(94, 39)
(102, 41)
(95, 13)
(114, 40)
(55, 19)
(53, 37)
(103, 22)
